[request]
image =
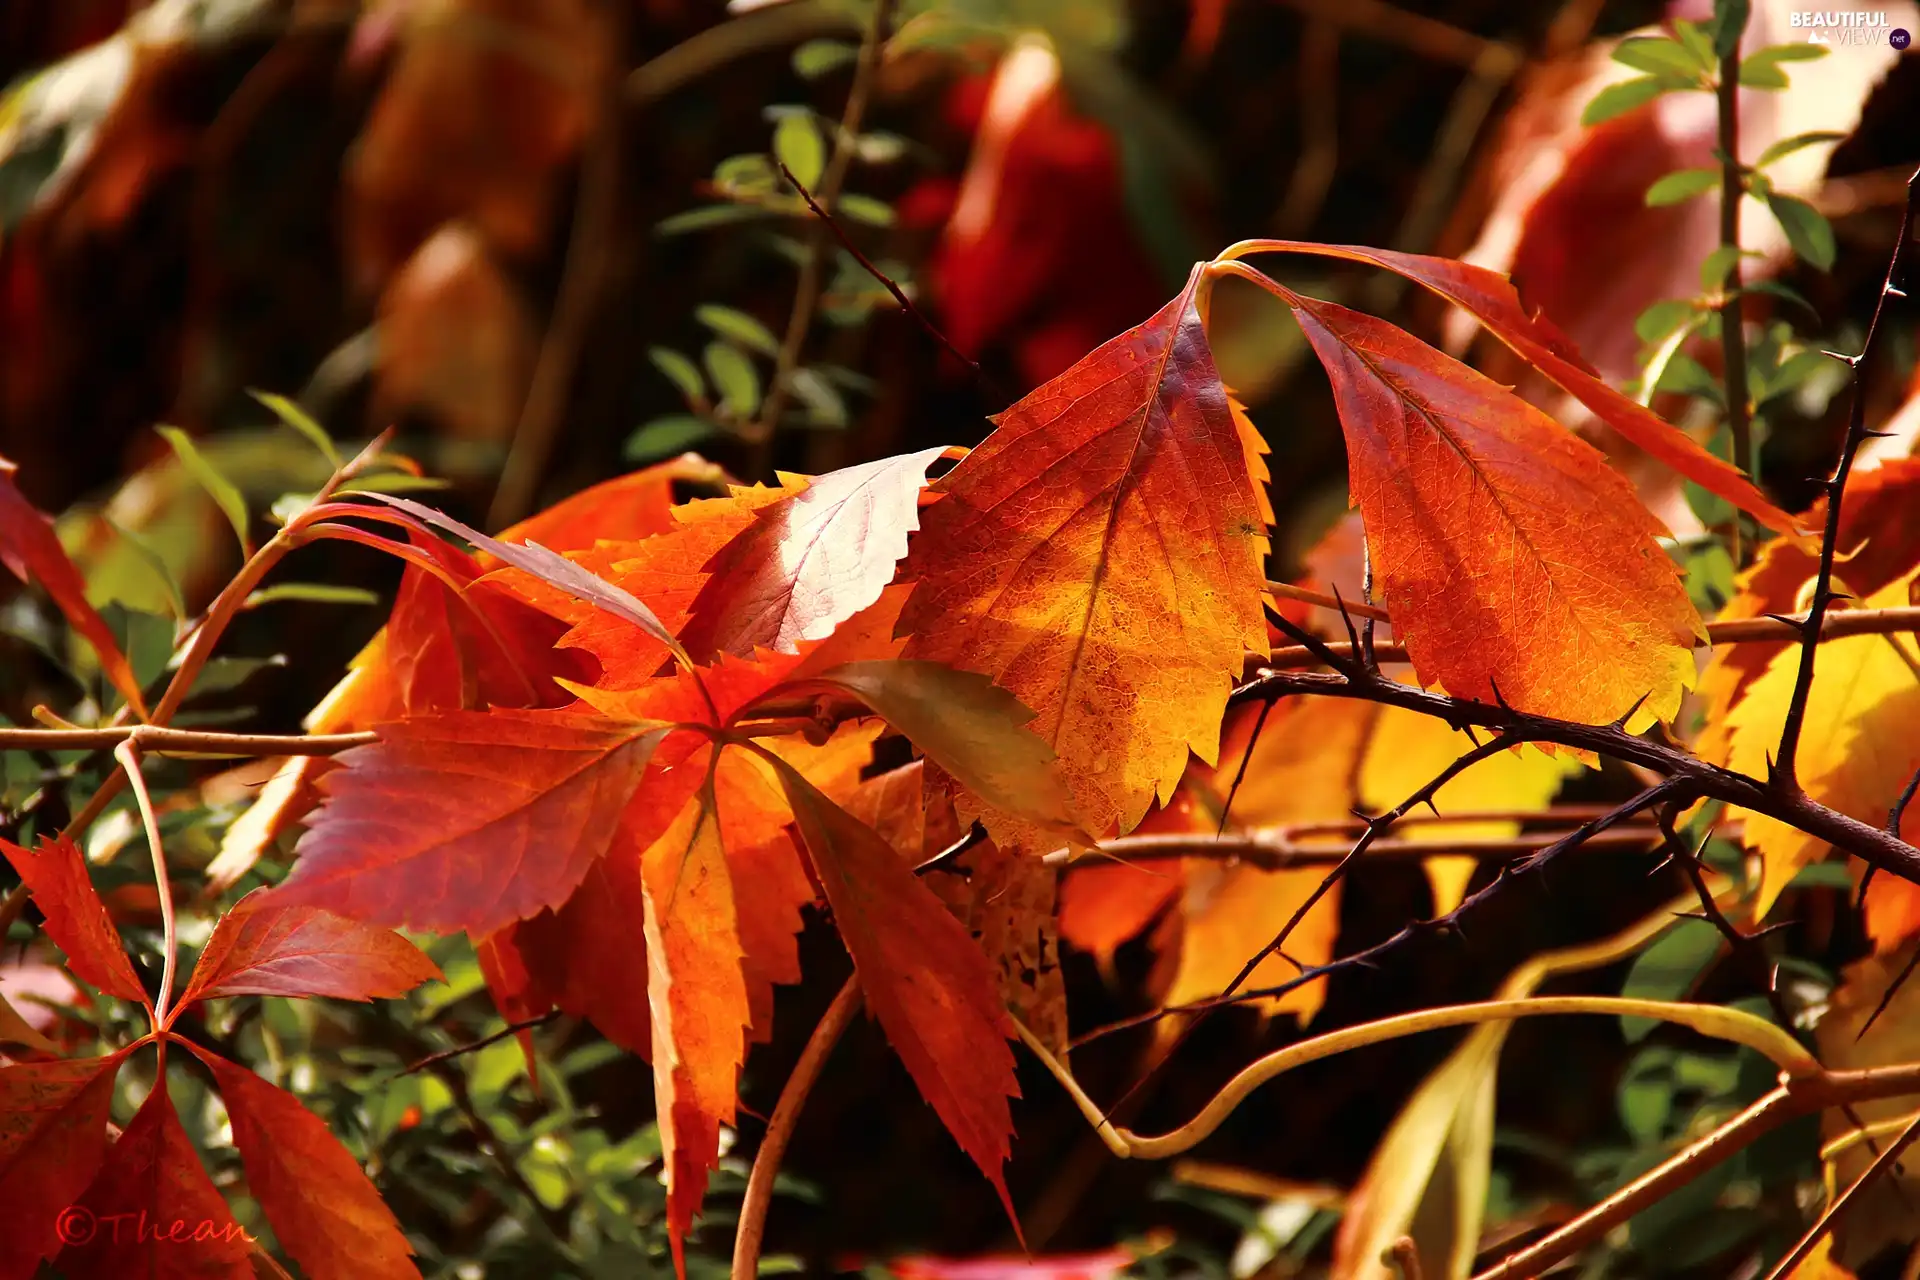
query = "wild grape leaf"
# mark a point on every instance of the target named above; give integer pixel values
(698, 994)
(467, 820)
(326, 1214)
(1492, 300)
(1857, 746)
(31, 550)
(154, 1211)
(924, 979)
(263, 949)
(76, 919)
(1100, 556)
(53, 1136)
(1511, 556)
(811, 560)
(640, 504)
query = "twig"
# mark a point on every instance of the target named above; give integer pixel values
(786, 1114)
(1882, 1162)
(474, 1046)
(1733, 338)
(975, 834)
(1276, 851)
(806, 292)
(1785, 780)
(129, 757)
(161, 740)
(1325, 601)
(887, 282)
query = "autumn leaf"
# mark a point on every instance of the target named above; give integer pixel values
(810, 561)
(76, 919)
(923, 977)
(31, 551)
(154, 1211)
(324, 1211)
(53, 1137)
(1492, 300)
(259, 948)
(1511, 557)
(467, 820)
(1857, 746)
(1100, 556)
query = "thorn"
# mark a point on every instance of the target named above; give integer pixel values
(1621, 723)
(1660, 866)
(1782, 618)
(1497, 695)
(1894, 291)
(1877, 435)
(1472, 737)
(1843, 358)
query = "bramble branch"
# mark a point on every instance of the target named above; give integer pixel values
(162, 740)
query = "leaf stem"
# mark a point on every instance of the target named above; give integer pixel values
(1733, 338)
(129, 757)
(162, 740)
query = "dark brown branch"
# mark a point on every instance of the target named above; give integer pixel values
(1733, 338)
(460, 1050)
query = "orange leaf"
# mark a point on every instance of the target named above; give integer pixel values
(325, 1212)
(263, 949)
(53, 1136)
(32, 551)
(1100, 557)
(153, 1211)
(1513, 559)
(1493, 301)
(467, 820)
(698, 995)
(626, 508)
(811, 561)
(930, 986)
(77, 920)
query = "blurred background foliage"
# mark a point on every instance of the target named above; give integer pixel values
(549, 239)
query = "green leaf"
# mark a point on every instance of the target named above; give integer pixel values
(223, 491)
(1695, 37)
(1658, 55)
(1618, 99)
(751, 174)
(1781, 291)
(824, 406)
(1666, 970)
(1729, 24)
(1793, 371)
(817, 58)
(708, 217)
(313, 592)
(1761, 69)
(664, 437)
(300, 420)
(738, 326)
(1808, 232)
(733, 373)
(1787, 146)
(683, 373)
(875, 213)
(1683, 184)
(1714, 267)
(1662, 318)
(797, 142)
(150, 554)
(224, 673)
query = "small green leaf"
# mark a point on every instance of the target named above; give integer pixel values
(797, 142)
(312, 592)
(1729, 24)
(1684, 184)
(1810, 234)
(1618, 99)
(823, 403)
(1787, 146)
(1718, 262)
(395, 482)
(149, 553)
(1657, 54)
(1667, 969)
(1662, 318)
(300, 420)
(817, 58)
(664, 437)
(751, 174)
(1695, 37)
(1781, 291)
(1761, 75)
(683, 373)
(875, 213)
(733, 373)
(739, 326)
(221, 489)
(1793, 371)
(225, 673)
(1761, 69)
(707, 217)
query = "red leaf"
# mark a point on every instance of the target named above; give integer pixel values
(467, 820)
(811, 561)
(77, 920)
(1491, 298)
(53, 1136)
(325, 1212)
(30, 548)
(153, 1211)
(930, 986)
(263, 949)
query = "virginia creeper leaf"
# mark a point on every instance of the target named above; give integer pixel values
(326, 1213)
(53, 1136)
(77, 920)
(1100, 557)
(467, 820)
(262, 949)
(1509, 553)
(31, 550)
(924, 979)
(807, 563)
